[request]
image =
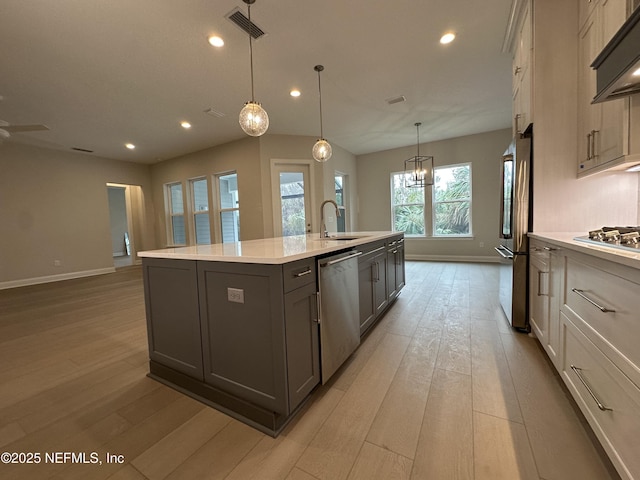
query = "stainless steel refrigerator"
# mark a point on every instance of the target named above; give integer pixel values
(516, 220)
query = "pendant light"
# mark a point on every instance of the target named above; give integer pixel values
(419, 169)
(253, 118)
(322, 149)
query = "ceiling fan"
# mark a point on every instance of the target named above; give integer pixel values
(6, 129)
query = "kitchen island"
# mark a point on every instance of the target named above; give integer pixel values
(237, 325)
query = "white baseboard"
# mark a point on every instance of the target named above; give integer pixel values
(453, 258)
(54, 278)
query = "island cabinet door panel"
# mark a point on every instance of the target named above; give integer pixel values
(365, 291)
(303, 353)
(243, 336)
(173, 318)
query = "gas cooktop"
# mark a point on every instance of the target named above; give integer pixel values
(625, 238)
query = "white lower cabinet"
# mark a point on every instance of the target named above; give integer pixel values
(546, 276)
(607, 398)
(585, 311)
(600, 330)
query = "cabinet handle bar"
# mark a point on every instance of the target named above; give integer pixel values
(595, 304)
(577, 371)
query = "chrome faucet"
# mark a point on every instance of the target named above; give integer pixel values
(323, 226)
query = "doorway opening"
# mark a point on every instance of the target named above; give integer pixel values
(291, 187)
(125, 210)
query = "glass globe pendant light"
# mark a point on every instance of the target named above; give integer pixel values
(253, 118)
(322, 149)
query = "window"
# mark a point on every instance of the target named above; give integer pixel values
(200, 209)
(452, 200)
(340, 184)
(444, 213)
(177, 234)
(407, 206)
(229, 207)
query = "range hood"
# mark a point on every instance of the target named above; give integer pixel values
(618, 61)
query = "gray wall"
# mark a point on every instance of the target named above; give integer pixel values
(54, 206)
(484, 151)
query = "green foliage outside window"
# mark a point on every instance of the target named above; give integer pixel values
(451, 203)
(452, 195)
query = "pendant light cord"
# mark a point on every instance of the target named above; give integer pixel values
(318, 69)
(418, 135)
(251, 51)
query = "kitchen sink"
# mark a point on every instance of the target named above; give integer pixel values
(342, 237)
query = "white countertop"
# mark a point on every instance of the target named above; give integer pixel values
(276, 250)
(613, 254)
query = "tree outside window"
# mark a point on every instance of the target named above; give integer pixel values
(452, 200)
(407, 206)
(446, 212)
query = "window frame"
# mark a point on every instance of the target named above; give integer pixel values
(170, 214)
(435, 203)
(342, 206)
(394, 205)
(194, 212)
(218, 206)
(430, 205)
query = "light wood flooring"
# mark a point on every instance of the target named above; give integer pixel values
(441, 388)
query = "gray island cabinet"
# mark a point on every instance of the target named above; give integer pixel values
(236, 325)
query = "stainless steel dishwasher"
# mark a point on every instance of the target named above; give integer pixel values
(339, 310)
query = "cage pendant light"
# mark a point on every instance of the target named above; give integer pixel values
(321, 151)
(253, 118)
(419, 169)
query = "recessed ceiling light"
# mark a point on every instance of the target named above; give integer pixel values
(185, 125)
(216, 41)
(447, 38)
(130, 146)
(294, 93)
(636, 73)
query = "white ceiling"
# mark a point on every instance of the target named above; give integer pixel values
(102, 73)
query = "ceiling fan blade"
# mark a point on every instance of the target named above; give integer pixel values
(24, 128)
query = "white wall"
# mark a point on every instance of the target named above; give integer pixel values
(291, 147)
(484, 151)
(54, 206)
(251, 158)
(562, 202)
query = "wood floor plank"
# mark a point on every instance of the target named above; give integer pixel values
(274, 459)
(297, 474)
(397, 429)
(220, 455)
(501, 450)
(445, 445)
(493, 389)
(162, 458)
(375, 462)
(331, 454)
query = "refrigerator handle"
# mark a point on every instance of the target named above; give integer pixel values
(501, 251)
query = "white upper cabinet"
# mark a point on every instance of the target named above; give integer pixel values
(605, 130)
(522, 71)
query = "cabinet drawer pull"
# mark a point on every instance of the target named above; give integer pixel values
(302, 274)
(540, 294)
(577, 371)
(598, 306)
(588, 146)
(550, 249)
